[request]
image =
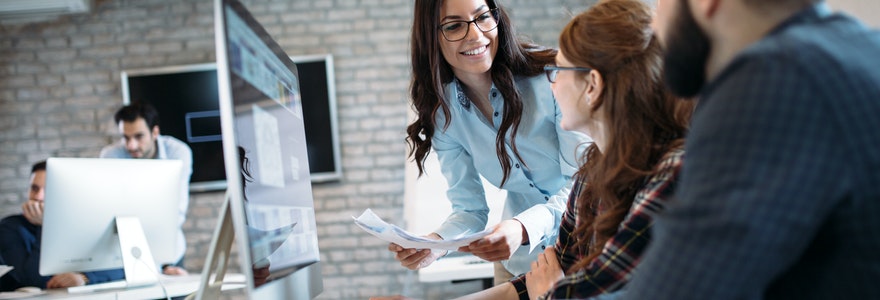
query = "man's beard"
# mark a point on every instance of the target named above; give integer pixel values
(686, 54)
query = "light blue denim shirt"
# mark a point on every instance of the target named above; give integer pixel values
(537, 188)
(168, 148)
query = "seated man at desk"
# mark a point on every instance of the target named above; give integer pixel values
(20, 245)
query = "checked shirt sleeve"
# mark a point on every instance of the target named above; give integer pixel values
(611, 270)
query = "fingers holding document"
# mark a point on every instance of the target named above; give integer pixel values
(412, 259)
(415, 259)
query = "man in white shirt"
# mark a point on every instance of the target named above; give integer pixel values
(139, 126)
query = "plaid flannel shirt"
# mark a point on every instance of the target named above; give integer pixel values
(611, 270)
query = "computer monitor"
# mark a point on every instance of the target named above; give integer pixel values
(186, 98)
(88, 199)
(269, 192)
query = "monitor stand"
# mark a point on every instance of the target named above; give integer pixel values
(301, 284)
(137, 260)
(218, 256)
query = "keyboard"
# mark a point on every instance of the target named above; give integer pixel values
(97, 287)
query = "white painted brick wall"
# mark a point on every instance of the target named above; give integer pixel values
(59, 86)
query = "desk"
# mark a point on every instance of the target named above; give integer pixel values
(176, 286)
(459, 268)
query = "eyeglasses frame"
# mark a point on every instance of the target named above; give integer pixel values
(493, 12)
(552, 71)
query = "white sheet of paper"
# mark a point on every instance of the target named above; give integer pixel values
(373, 224)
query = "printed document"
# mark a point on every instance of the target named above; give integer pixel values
(371, 223)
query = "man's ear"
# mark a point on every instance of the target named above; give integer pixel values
(705, 9)
(156, 130)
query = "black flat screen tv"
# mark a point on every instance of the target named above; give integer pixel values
(186, 98)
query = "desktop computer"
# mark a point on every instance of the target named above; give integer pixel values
(269, 206)
(103, 214)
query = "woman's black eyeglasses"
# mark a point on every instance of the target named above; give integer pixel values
(457, 30)
(552, 71)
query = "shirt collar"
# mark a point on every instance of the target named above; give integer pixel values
(809, 14)
(160, 148)
(463, 99)
(460, 95)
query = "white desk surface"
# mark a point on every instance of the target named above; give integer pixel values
(175, 285)
(465, 267)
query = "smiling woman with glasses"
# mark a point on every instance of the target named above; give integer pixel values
(630, 170)
(473, 85)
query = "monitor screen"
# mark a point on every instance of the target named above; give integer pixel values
(186, 98)
(265, 151)
(85, 195)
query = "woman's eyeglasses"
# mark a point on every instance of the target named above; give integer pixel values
(455, 31)
(552, 71)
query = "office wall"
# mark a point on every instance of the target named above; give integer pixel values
(867, 11)
(59, 85)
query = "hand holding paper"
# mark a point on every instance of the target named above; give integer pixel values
(371, 223)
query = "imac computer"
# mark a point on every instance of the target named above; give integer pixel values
(269, 207)
(103, 214)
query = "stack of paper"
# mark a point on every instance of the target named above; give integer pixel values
(371, 223)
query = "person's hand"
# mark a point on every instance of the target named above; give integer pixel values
(499, 245)
(415, 259)
(261, 275)
(66, 280)
(544, 274)
(33, 211)
(174, 270)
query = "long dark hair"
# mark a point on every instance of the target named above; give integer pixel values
(430, 72)
(645, 120)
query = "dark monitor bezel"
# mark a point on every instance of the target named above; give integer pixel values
(214, 185)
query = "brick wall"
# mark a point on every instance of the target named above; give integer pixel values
(59, 85)
(866, 11)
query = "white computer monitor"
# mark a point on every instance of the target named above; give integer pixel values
(86, 198)
(269, 192)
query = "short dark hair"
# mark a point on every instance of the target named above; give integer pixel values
(39, 166)
(135, 110)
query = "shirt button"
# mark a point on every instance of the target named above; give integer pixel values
(531, 185)
(543, 247)
(546, 198)
(517, 166)
(496, 113)
(494, 94)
